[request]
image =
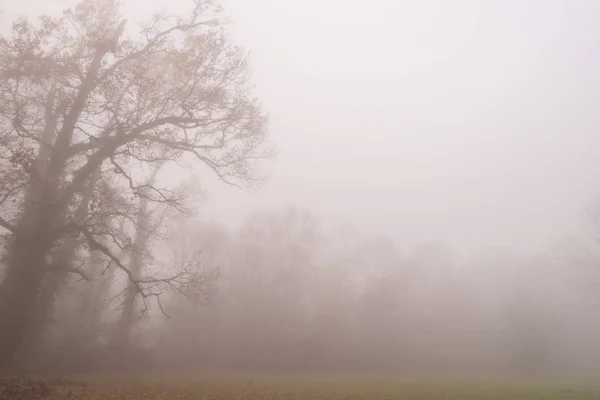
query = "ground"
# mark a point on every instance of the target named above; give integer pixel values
(289, 387)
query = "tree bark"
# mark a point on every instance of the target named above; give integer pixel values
(26, 252)
(20, 289)
(56, 279)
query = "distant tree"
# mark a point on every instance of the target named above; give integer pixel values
(82, 100)
(193, 333)
(145, 227)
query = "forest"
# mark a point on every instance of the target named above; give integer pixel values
(109, 263)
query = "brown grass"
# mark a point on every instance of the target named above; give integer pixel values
(292, 387)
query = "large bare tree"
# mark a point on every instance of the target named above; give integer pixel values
(86, 96)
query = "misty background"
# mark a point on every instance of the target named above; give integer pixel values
(472, 123)
(429, 207)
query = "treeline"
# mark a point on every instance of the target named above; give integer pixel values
(285, 292)
(292, 295)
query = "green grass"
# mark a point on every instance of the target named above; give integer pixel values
(292, 387)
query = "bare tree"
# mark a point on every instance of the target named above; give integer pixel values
(177, 93)
(140, 247)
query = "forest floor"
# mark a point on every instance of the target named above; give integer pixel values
(289, 387)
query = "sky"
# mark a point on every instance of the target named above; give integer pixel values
(468, 122)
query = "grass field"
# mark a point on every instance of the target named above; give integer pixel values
(292, 387)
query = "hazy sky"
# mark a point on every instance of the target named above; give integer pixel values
(473, 122)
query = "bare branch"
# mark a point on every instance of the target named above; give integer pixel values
(95, 245)
(7, 225)
(11, 191)
(78, 271)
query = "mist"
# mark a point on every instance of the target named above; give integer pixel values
(431, 209)
(468, 123)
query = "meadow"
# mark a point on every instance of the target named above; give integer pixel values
(289, 387)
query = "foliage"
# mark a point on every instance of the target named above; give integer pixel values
(89, 103)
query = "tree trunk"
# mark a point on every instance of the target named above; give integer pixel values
(128, 317)
(50, 288)
(26, 255)
(27, 261)
(93, 305)
(44, 204)
(55, 280)
(19, 293)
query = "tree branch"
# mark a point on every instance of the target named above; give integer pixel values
(78, 271)
(7, 225)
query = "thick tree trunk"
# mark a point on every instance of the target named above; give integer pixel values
(27, 260)
(19, 293)
(26, 256)
(45, 203)
(55, 280)
(50, 288)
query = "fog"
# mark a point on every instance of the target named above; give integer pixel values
(292, 297)
(468, 122)
(430, 208)
(472, 123)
